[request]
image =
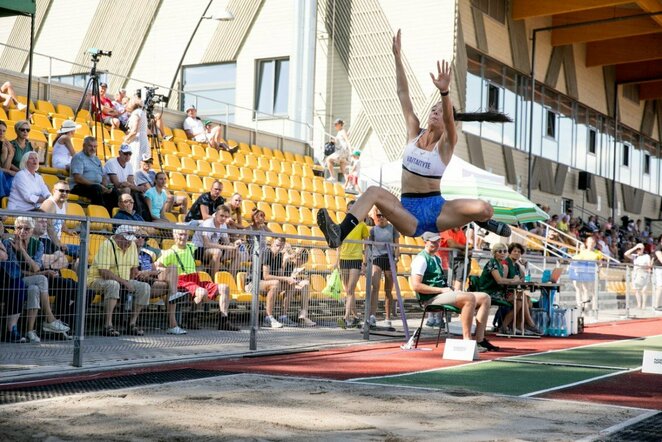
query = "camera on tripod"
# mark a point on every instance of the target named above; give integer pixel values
(96, 53)
(151, 98)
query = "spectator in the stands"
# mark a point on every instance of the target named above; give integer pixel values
(29, 189)
(342, 153)
(13, 295)
(145, 176)
(87, 177)
(136, 136)
(206, 204)
(163, 281)
(214, 134)
(8, 95)
(294, 266)
(119, 103)
(158, 199)
(383, 233)
(63, 148)
(114, 271)
(181, 255)
(213, 246)
(106, 112)
(22, 144)
(27, 251)
(126, 209)
(57, 203)
(120, 174)
(6, 157)
(193, 125)
(236, 219)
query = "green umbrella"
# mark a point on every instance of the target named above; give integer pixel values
(509, 206)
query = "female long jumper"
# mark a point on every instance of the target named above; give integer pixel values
(425, 158)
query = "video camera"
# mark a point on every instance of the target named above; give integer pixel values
(151, 98)
(96, 53)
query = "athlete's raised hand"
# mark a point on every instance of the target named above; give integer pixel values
(443, 79)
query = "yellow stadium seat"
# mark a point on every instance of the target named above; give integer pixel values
(278, 154)
(278, 213)
(246, 174)
(264, 164)
(167, 131)
(239, 159)
(49, 180)
(74, 209)
(251, 161)
(207, 182)
(306, 184)
(267, 152)
(247, 207)
(243, 296)
(259, 177)
(292, 215)
(286, 167)
(218, 170)
(294, 197)
(328, 188)
(225, 157)
(193, 183)
(299, 158)
(188, 165)
(307, 159)
(65, 111)
(232, 144)
(84, 115)
(229, 280)
(268, 194)
(171, 163)
(318, 200)
(274, 165)
(254, 192)
(183, 149)
(284, 181)
(289, 156)
(228, 188)
(341, 204)
(212, 155)
(318, 184)
(295, 183)
(275, 228)
(281, 196)
(306, 216)
(289, 229)
(43, 123)
(338, 189)
(232, 172)
(307, 199)
(256, 150)
(203, 168)
(168, 147)
(304, 231)
(94, 211)
(317, 260)
(198, 152)
(330, 202)
(176, 181)
(244, 148)
(307, 171)
(272, 178)
(241, 188)
(46, 108)
(179, 135)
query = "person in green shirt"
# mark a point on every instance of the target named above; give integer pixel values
(429, 283)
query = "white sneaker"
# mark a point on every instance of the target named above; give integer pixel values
(271, 322)
(32, 337)
(56, 326)
(176, 331)
(386, 323)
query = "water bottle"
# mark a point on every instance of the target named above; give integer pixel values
(563, 330)
(128, 303)
(555, 323)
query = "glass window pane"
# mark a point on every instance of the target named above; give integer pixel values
(265, 89)
(282, 87)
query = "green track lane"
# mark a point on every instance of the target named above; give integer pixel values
(622, 354)
(495, 377)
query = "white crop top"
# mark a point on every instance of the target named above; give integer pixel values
(421, 162)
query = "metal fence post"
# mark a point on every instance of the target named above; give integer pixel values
(81, 296)
(258, 244)
(368, 295)
(627, 291)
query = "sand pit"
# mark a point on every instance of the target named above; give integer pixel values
(276, 408)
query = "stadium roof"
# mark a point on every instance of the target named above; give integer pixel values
(632, 46)
(15, 7)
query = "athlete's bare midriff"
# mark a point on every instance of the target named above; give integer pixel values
(412, 183)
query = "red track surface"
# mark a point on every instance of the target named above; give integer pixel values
(635, 389)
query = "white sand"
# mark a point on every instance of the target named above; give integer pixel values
(277, 408)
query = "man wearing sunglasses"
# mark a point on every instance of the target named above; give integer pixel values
(121, 174)
(57, 203)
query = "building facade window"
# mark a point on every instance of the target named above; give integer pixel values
(494, 8)
(550, 124)
(493, 94)
(272, 87)
(647, 164)
(625, 156)
(211, 89)
(79, 80)
(591, 141)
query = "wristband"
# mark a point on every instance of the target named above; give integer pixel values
(444, 93)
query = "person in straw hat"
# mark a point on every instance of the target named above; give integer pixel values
(63, 148)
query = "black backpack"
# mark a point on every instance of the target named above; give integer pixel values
(329, 148)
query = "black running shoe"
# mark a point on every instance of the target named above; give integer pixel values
(497, 227)
(487, 345)
(330, 229)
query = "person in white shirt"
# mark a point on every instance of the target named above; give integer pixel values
(193, 126)
(63, 148)
(120, 171)
(641, 272)
(212, 247)
(28, 189)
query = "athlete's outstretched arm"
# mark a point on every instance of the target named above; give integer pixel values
(442, 81)
(413, 125)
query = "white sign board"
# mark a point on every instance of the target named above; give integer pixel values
(652, 362)
(460, 350)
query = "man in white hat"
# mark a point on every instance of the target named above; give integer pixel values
(429, 283)
(114, 269)
(63, 148)
(193, 126)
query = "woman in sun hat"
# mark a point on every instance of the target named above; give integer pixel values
(63, 148)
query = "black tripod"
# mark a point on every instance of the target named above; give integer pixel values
(95, 101)
(152, 128)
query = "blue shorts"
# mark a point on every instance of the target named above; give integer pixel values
(426, 208)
